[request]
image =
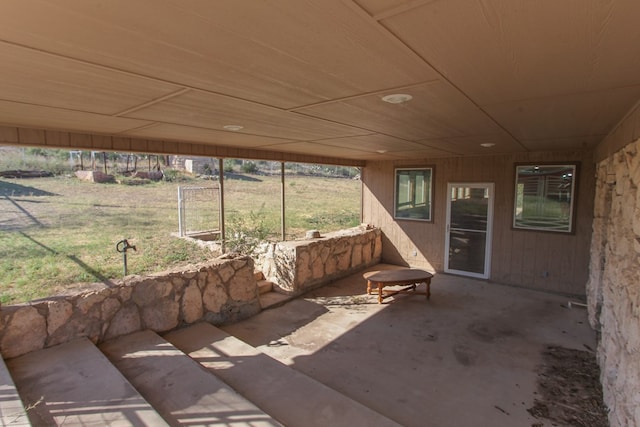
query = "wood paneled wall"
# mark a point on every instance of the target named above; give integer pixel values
(540, 260)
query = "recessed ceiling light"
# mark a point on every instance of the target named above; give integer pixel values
(381, 151)
(397, 98)
(487, 144)
(233, 128)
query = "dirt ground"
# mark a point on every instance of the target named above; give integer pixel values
(569, 391)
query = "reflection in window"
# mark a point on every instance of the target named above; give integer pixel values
(544, 197)
(413, 194)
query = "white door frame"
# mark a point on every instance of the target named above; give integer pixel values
(489, 231)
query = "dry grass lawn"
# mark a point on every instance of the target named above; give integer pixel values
(57, 232)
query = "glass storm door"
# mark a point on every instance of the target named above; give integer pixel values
(469, 224)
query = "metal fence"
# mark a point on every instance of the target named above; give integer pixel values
(198, 210)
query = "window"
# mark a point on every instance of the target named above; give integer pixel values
(545, 197)
(413, 194)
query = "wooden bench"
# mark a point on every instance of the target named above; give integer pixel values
(409, 277)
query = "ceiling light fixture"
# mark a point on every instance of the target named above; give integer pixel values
(381, 151)
(233, 128)
(487, 144)
(397, 98)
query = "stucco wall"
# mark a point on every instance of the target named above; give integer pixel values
(614, 283)
(555, 262)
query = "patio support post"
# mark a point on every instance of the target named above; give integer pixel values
(221, 195)
(282, 199)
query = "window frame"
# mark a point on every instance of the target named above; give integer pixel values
(571, 210)
(429, 196)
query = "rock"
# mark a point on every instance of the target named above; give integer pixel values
(95, 176)
(192, 304)
(25, 332)
(243, 286)
(87, 301)
(125, 321)
(109, 307)
(312, 234)
(59, 312)
(214, 297)
(150, 290)
(161, 316)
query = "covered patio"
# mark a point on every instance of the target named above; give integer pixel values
(445, 97)
(471, 355)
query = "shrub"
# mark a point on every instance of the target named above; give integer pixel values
(249, 167)
(228, 165)
(246, 232)
(54, 161)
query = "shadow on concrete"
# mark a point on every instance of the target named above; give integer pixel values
(468, 356)
(289, 318)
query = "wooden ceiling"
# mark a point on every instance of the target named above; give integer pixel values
(308, 76)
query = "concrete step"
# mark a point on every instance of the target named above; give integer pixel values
(12, 411)
(74, 384)
(181, 390)
(273, 299)
(265, 286)
(289, 396)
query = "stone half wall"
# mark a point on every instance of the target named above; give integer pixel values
(298, 266)
(613, 289)
(219, 292)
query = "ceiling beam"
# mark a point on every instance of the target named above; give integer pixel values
(31, 137)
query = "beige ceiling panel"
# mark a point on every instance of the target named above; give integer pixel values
(516, 49)
(284, 53)
(385, 8)
(34, 77)
(503, 143)
(421, 154)
(373, 143)
(17, 114)
(436, 111)
(555, 144)
(207, 136)
(213, 112)
(319, 149)
(374, 7)
(581, 115)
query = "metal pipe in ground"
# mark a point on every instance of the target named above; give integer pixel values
(122, 246)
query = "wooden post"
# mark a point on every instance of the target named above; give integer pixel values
(104, 158)
(221, 195)
(282, 202)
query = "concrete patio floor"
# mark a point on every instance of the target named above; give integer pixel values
(467, 357)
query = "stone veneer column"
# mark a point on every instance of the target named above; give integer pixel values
(614, 284)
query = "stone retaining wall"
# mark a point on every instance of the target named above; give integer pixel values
(297, 266)
(220, 291)
(614, 284)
